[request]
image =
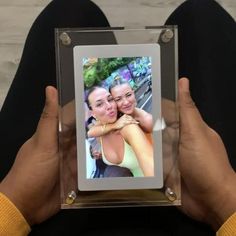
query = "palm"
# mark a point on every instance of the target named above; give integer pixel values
(190, 205)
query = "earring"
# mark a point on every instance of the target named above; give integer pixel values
(96, 118)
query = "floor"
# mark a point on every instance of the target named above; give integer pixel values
(16, 17)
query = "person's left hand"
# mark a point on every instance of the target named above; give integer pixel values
(33, 182)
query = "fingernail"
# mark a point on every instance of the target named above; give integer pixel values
(51, 92)
(184, 84)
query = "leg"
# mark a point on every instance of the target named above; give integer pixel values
(23, 105)
(207, 52)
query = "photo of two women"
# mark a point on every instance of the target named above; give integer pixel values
(118, 117)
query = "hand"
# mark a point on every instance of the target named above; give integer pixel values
(33, 182)
(170, 140)
(208, 180)
(124, 120)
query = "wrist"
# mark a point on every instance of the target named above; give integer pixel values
(11, 216)
(8, 188)
(113, 127)
(224, 204)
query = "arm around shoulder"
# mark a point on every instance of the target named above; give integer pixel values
(100, 130)
(143, 149)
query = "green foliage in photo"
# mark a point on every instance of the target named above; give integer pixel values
(102, 69)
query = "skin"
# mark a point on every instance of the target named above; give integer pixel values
(208, 197)
(170, 141)
(97, 130)
(104, 108)
(126, 103)
(33, 182)
(124, 98)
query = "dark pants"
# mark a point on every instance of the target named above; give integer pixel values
(207, 55)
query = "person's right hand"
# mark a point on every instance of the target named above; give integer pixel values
(32, 184)
(208, 180)
(123, 121)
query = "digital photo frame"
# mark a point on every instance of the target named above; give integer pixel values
(118, 162)
(143, 59)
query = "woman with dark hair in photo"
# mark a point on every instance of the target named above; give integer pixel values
(127, 147)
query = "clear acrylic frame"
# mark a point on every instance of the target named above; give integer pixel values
(159, 85)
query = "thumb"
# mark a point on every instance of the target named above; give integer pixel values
(46, 134)
(190, 118)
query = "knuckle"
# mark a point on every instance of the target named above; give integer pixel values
(188, 102)
(44, 115)
(47, 115)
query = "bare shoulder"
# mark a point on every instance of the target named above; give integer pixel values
(130, 130)
(130, 127)
(141, 113)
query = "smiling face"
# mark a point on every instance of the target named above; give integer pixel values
(103, 106)
(124, 98)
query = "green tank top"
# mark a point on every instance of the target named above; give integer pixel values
(129, 160)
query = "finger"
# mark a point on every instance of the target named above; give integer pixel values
(190, 118)
(46, 133)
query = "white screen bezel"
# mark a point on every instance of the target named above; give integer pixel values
(109, 51)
